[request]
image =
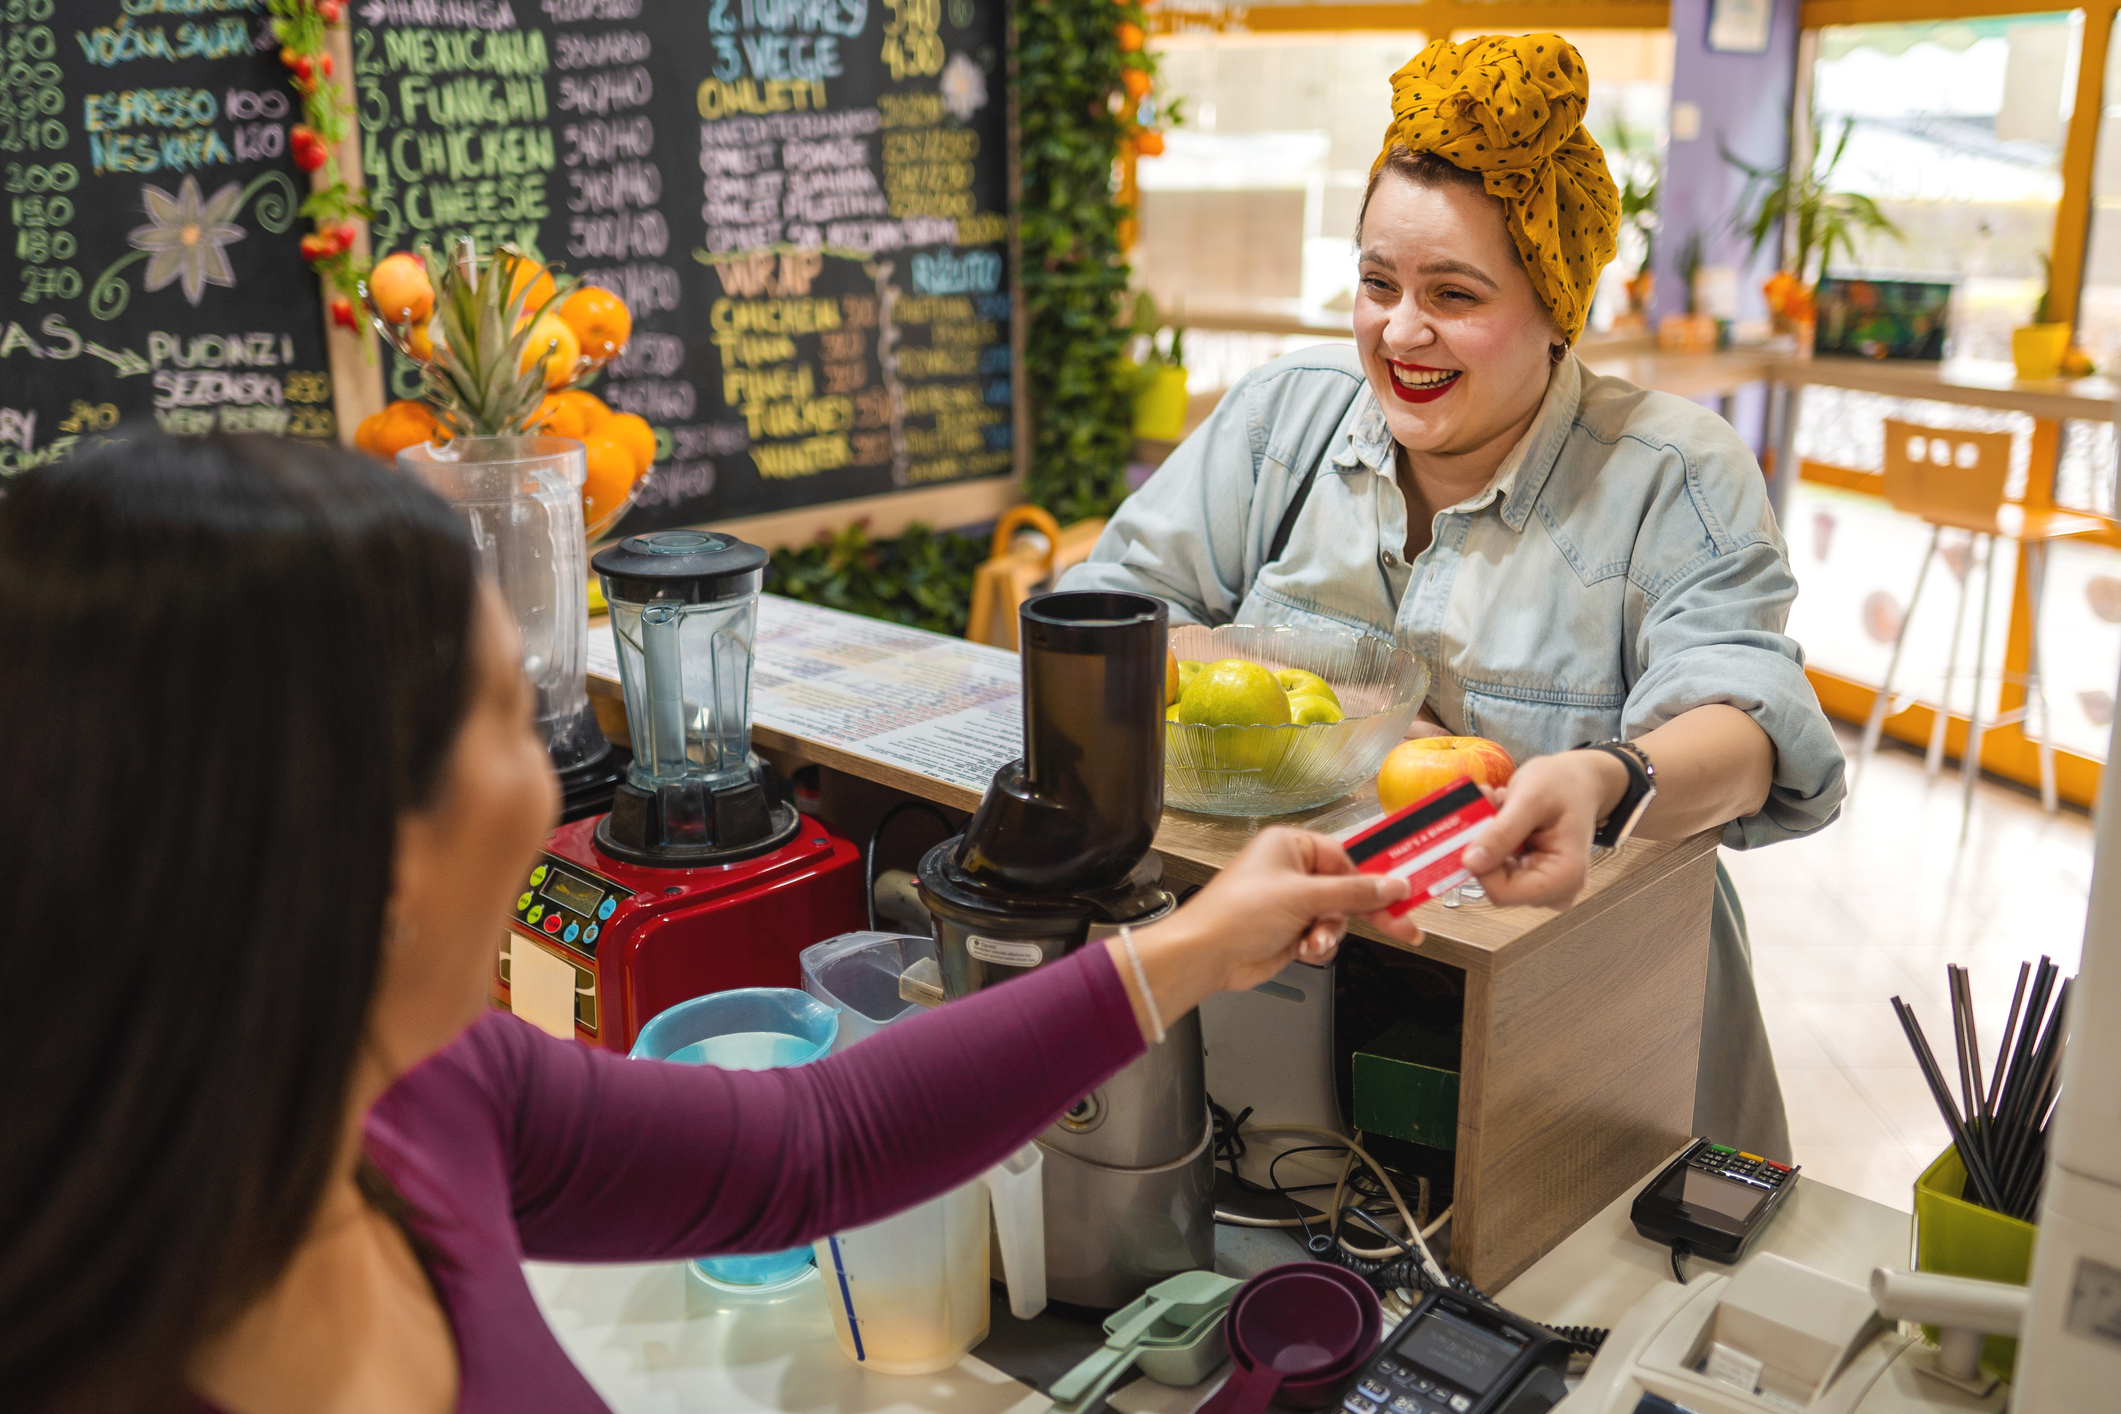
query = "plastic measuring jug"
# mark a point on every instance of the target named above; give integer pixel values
(908, 1295)
(751, 1028)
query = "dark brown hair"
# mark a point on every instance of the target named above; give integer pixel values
(1423, 169)
(228, 667)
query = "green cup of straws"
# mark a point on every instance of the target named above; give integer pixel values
(1955, 1237)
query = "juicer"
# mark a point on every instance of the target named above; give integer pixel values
(700, 878)
(1058, 855)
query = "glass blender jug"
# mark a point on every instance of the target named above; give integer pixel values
(521, 498)
(684, 609)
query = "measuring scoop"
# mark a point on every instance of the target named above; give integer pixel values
(1181, 1300)
(1306, 1326)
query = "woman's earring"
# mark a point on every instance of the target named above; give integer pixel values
(1557, 352)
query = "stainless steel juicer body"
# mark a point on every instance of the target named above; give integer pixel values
(1057, 856)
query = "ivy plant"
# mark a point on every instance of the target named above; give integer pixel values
(1072, 115)
(923, 578)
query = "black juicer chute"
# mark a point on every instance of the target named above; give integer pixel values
(1059, 854)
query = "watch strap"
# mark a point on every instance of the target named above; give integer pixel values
(1642, 784)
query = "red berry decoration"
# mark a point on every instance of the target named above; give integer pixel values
(341, 239)
(308, 149)
(328, 11)
(288, 58)
(315, 248)
(342, 313)
(324, 64)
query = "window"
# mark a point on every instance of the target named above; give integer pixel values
(1956, 129)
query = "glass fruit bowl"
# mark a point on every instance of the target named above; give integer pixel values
(1281, 769)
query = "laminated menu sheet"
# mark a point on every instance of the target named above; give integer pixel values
(920, 701)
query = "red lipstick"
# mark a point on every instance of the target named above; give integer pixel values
(1423, 395)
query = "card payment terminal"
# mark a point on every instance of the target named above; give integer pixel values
(1459, 1355)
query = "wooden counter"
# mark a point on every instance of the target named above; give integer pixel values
(1582, 1029)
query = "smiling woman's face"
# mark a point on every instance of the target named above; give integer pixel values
(1452, 336)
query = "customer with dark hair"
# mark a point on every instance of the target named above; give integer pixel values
(267, 757)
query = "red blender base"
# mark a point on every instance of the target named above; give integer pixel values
(641, 939)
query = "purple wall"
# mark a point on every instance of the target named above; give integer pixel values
(1744, 101)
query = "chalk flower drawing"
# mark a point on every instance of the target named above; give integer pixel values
(964, 87)
(185, 237)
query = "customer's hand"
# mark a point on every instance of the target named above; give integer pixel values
(1548, 811)
(1286, 897)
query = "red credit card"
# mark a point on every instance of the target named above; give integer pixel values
(1423, 842)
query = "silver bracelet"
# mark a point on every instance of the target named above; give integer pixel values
(1141, 979)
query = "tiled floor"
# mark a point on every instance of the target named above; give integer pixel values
(1874, 906)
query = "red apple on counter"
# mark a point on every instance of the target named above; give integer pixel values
(1427, 764)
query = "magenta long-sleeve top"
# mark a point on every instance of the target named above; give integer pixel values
(510, 1144)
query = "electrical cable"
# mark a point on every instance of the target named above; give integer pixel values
(1402, 1273)
(1680, 1252)
(869, 854)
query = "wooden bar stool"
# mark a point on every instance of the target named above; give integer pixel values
(1954, 479)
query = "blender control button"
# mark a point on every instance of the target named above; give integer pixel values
(552, 923)
(537, 875)
(574, 931)
(604, 909)
(535, 914)
(522, 903)
(590, 934)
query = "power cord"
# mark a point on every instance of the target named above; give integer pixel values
(1398, 1271)
(869, 854)
(1680, 1252)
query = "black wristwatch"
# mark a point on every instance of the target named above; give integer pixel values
(1614, 830)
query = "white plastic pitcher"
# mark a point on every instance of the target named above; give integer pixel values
(909, 1294)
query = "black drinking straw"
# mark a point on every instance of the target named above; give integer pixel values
(1995, 1078)
(1969, 1156)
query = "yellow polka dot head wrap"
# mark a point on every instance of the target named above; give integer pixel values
(1510, 107)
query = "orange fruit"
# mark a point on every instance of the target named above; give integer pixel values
(611, 476)
(404, 424)
(1427, 764)
(551, 335)
(420, 340)
(600, 321)
(364, 437)
(634, 433)
(400, 289)
(588, 408)
(527, 273)
(554, 418)
(1137, 83)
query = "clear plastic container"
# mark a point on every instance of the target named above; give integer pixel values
(521, 498)
(857, 973)
(909, 1294)
(750, 1028)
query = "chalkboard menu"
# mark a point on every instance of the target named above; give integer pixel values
(802, 201)
(148, 257)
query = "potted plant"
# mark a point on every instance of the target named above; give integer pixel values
(1798, 199)
(2039, 349)
(1160, 377)
(1633, 157)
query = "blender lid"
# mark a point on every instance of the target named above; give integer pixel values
(692, 566)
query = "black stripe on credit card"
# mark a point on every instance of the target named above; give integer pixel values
(1442, 805)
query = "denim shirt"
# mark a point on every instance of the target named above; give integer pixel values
(1621, 568)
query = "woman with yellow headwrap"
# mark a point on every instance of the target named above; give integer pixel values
(1590, 571)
